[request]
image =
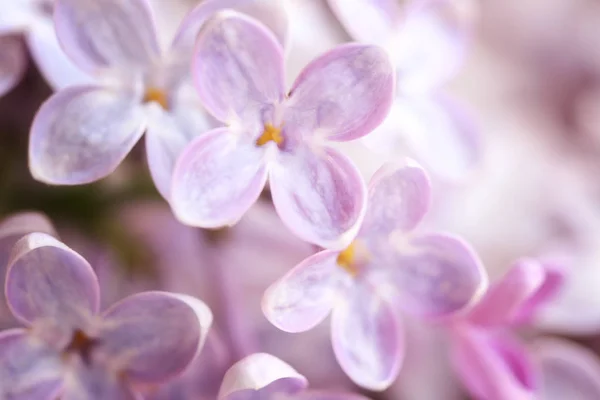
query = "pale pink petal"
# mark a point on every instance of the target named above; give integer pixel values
(20, 224)
(367, 338)
(327, 395)
(431, 44)
(504, 300)
(154, 336)
(437, 275)
(48, 280)
(399, 197)
(81, 134)
(258, 376)
(237, 67)
(493, 366)
(93, 382)
(568, 371)
(29, 370)
(217, 178)
(100, 34)
(13, 62)
(320, 196)
(305, 295)
(272, 13)
(342, 95)
(370, 21)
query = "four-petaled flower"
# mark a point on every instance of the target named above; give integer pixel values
(385, 268)
(266, 377)
(68, 350)
(82, 133)
(239, 74)
(427, 41)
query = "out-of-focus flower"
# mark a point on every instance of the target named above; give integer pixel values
(266, 377)
(317, 191)
(82, 133)
(70, 351)
(427, 275)
(33, 20)
(567, 371)
(427, 40)
(491, 363)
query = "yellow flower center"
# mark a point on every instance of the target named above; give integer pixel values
(158, 96)
(270, 133)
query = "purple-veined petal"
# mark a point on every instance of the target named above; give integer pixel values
(272, 13)
(319, 195)
(217, 178)
(327, 395)
(56, 67)
(367, 337)
(568, 371)
(154, 336)
(493, 366)
(13, 62)
(48, 280)
(93, 382)
(436, 130)
(399, 197)
(370, 21)
(81, 134)
(305, 295)
(29, 370)
(503, 300)
(260, 376)
(342, 95)
(237, 67)
(437, 275)
(100, 34)
(431, 44)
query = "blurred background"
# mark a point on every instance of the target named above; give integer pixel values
(532, 83)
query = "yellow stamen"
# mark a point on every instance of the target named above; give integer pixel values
(158, 96)
(270, 133)
(347, 259)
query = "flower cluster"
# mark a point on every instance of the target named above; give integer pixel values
(253, 163)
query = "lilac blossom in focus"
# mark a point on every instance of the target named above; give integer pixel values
(68, 350)
(317, 191)
(387, 268)
(427, 40)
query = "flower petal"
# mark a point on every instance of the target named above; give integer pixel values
(430, 46)
(216, 180)
(48, 280)
(342, 95)
(29, 370)
(369, 21)
(154, 336)
(327, 395)
(237, 67)
(320, 196)
(399, 198)
(503, 301)
(81, 134)
(107, 34)
(493, 367)
(260, 375)
(568, 371)
(305, 295)
(439, 275)
(367, 338)
(13, 62)
(93, 382)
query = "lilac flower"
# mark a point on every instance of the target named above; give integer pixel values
(32, 20)
(427, 41)
(70, 351)
(317, 191)
(491, 363)
(266, 377)
(567, 371)
(386, 268)
(82, 133)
